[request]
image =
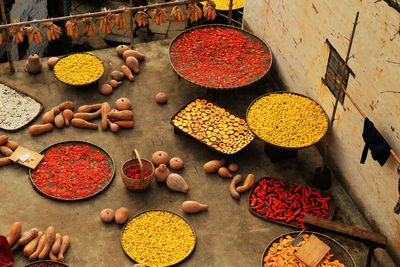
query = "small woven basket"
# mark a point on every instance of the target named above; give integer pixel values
(144, 165)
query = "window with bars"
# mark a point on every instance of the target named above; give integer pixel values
(336, 74)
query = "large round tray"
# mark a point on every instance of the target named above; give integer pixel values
(80, 85)
(248, 34)
(221, 7)
(110, 162)
(338, 251)
(194, 234)
(277, 146)
(46, 262)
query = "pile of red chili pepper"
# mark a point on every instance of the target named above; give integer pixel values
(219, 57)
(6, 256)
(46, 264)
(134, 173)
(286, 202)
(72, 171)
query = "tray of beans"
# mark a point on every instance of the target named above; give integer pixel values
(79, 69)
(158, 238)
(287, 120)
(286, 203)
(223, 5)
(46, 263)
(73, 170)
(213, 126)
(281, 252)
(219, 56)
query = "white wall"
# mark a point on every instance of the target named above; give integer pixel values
(296, 32)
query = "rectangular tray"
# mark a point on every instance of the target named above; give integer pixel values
(25, 94)
(331, 202)
(205, 121)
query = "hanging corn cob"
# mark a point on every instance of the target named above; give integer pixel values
(209, 10)
(159, 16)
(72, 27)
(106, 22)
(17, 32)
(52, 31)
(34, 34)
(177, 14)
(142, 18)
(88, 24)
(120, 21)
(1, 39)
(193, 12)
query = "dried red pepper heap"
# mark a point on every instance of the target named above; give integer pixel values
(72, 171)
(135, 173)
(287, 203)
(219, 57)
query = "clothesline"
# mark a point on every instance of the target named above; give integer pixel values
(397, 158)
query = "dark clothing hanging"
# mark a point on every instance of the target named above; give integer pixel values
(397, 207)
(375, 142)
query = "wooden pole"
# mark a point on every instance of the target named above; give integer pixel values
(131, 23)
(338, 96)
(396, 157)
(102, 13)
(230, 12)
(7, 37)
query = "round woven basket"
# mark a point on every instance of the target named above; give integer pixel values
(144, 165)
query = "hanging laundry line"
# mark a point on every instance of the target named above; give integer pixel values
(397, 158)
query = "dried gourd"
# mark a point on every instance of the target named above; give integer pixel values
(106, 22)
(52, 31)
(159, 16)
(142, 18)
(177, 14)
(88, 24)
(17, 32)
(209, 10)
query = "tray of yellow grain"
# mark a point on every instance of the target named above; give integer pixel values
(214, 126)
(287, 120)
(223, 5)
(280, 252)
(158, 238)
(79, 69)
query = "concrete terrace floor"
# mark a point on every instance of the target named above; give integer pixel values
(227, 234)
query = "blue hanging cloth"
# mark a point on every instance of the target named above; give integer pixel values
(375, 142)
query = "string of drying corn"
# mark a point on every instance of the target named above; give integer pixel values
(159, 16)
(194, 13)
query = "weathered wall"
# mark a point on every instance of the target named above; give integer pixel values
(296, 32)
(28, 10)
